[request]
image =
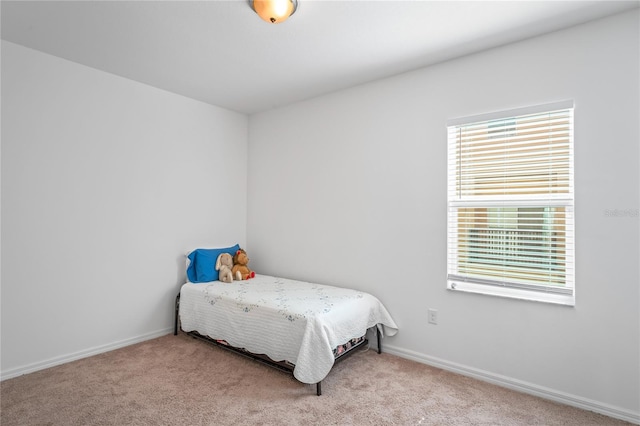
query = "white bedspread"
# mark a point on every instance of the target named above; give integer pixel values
(287, 320)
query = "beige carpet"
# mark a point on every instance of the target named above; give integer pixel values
(177, 380)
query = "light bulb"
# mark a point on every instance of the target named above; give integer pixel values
(274, 11)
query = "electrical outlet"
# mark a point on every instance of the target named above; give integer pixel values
(433, 316)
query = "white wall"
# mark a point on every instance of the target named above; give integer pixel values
(106, 183)
(350, 189)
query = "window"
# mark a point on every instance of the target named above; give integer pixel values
(510, 204)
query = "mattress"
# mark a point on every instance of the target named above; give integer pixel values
(287, 320)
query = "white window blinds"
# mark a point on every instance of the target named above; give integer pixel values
(510, 201)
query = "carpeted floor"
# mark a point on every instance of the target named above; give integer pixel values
(177, 380)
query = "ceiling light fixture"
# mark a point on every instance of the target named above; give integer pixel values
(274, 11)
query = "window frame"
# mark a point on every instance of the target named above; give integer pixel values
(563, 295)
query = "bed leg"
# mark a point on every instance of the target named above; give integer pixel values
(379, 340)
(175, 324)
(319, 388)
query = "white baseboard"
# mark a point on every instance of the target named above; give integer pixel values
(26, 369)
(517, 385)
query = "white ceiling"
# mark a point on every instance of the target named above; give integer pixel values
(221, 53)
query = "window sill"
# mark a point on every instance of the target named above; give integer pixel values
(512, 293)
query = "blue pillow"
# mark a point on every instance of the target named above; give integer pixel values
(202, 265)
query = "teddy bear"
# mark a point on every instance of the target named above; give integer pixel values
(224, 263)
(240, 269)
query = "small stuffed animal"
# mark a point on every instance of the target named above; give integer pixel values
(240, 269)
(224, 263)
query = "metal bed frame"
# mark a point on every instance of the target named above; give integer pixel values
(288, 368)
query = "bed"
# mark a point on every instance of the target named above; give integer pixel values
(297, 326)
